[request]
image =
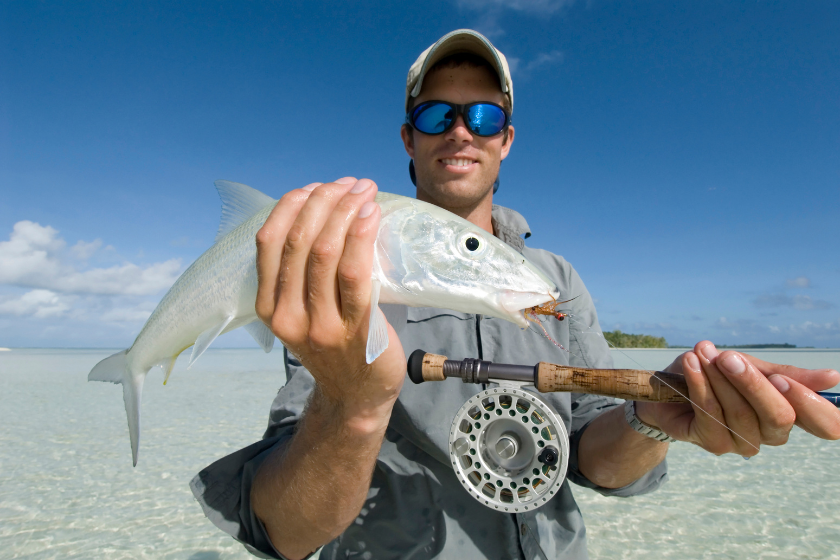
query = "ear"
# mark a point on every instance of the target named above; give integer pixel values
(407, 136)
(506, 145)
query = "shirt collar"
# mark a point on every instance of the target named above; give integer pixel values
(510, 226)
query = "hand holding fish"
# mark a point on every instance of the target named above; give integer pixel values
(740, 402)
(315, 255)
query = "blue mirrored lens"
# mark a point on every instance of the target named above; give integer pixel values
(434, 118)
(486, 120)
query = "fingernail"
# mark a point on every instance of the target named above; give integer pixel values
(346, 181)
(312, 186)
(693, 362)
(709, 352)
(367, 209)
(734, 364)
(779, 383)
(361, 186)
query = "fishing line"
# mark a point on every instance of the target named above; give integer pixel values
(535, 319)
(589, 330)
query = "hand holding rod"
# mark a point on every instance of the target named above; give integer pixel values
(628, 384)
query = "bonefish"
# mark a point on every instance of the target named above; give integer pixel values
(425, 256)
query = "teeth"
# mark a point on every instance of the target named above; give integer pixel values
(457, 162)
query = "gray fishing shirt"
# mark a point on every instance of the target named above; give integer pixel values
(416, 508)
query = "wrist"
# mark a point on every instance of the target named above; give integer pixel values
(350, 414)
(636, 423)
(645, 411)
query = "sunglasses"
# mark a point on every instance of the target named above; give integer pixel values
(436, 117)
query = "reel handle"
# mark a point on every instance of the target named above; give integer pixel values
(628, 384)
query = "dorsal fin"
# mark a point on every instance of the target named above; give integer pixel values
(239, 202)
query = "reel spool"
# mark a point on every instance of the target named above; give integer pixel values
(509, 449)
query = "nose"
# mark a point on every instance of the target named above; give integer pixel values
(459, 131)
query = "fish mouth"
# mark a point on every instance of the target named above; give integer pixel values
(514, 302)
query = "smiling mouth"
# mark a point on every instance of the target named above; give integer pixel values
(457, 162)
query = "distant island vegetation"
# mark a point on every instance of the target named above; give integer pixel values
(624, 340)
(619, 339)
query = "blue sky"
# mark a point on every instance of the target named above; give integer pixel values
(685, 157)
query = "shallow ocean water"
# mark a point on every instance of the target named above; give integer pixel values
(68, 490)
(777, 505)
(67, 487)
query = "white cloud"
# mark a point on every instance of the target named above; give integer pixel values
(530, 6)
(741, 327)
(798, 282)
(36, 257)
(83, 250)
(805, 333)
(542, 59)
(134, 314)
(818, 331)
(490, 12)
(37, 303)
(800, 302)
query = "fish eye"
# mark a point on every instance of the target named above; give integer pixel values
(471, 245)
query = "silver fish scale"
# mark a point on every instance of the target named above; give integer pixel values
(218, 284)
(420, 260)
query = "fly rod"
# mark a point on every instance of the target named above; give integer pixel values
(628, 384)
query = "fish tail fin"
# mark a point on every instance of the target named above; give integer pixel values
(115, 369)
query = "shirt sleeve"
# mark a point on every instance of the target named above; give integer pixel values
(586, 408)
(224, 488)
(588, 348)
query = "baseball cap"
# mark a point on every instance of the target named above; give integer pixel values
(455, 42)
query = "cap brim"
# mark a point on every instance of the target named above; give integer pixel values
(462, 41)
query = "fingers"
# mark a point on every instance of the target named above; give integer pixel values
(775, 414)
(324, 257)
(814, 414)
(270, 240)
(814, 379)
(744, 433)
(741, 402)
(709, 429)
(354, 269)
(292, 300)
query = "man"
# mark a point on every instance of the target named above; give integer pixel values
(354, 460)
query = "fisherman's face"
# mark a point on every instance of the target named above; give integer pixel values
(457, 169)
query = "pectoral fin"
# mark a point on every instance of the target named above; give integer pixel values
(377, 340)
(262, 334)
(206, 338)
(166, 365)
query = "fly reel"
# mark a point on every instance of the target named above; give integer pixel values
(509, 449)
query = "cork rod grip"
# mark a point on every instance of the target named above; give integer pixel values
(432, 367)
(629, 384)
